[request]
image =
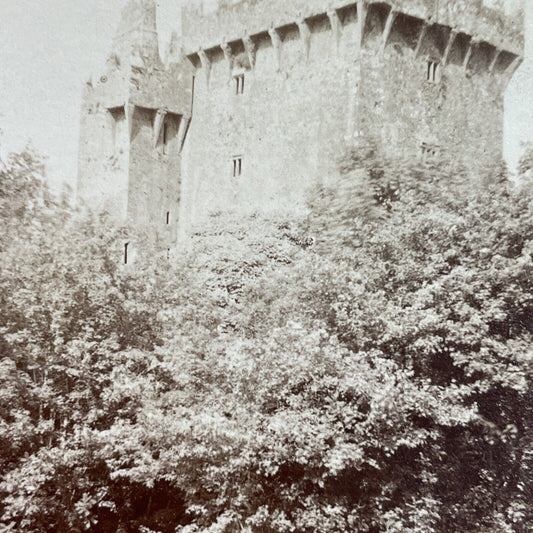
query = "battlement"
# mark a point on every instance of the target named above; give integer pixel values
(482, 20)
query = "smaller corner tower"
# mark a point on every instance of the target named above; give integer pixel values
(135, 118)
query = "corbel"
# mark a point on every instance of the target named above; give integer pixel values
(206, 64)
(471, 47)
(129, 110)
(449, 46)
(336, 25)
(388, 27)
(305, 35)
(497, 54)
(276, 43)
(362, 12)
(250, 48)
(228, 54)
(112, 123)
(421, 37)
(182, 131)
(158, 125)
(512, 68)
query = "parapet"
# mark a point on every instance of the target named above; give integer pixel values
(480, 19)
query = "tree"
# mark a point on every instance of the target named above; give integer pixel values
(72, 320)
(374, 378)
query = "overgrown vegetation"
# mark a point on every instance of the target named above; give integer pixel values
(367, 369)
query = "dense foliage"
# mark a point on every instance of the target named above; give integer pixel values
(367, 369)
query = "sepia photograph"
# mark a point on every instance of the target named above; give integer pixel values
(266, 266)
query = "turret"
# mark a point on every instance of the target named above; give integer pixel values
(135, 118)
(137, 34)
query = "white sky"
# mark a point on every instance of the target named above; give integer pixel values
(48, 48)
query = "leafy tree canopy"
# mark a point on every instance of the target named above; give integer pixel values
(366, 369)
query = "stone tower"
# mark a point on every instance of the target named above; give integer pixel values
(262, 96)
(134, 121)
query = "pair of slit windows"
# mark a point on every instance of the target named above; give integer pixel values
(238, 81)
(428, 152)
(237, 166)
(432, 73)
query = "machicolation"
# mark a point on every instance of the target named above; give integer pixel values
(256, 99)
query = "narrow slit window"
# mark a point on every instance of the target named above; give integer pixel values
(432, 71)
(168, 217)
(237, 166)
(126, 253)
(165, 137)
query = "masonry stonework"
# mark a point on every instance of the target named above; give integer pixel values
(135, 118)
(262, 97)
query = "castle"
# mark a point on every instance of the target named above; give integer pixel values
(254, 103)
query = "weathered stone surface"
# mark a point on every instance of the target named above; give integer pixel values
(132, 129)
(282, 86)
(252, 16)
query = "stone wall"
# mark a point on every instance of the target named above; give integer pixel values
(312, 88)
(154, 170)
(103, 157)
(134, 120)
(288, 125)
(272, 93)
(460, 113)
